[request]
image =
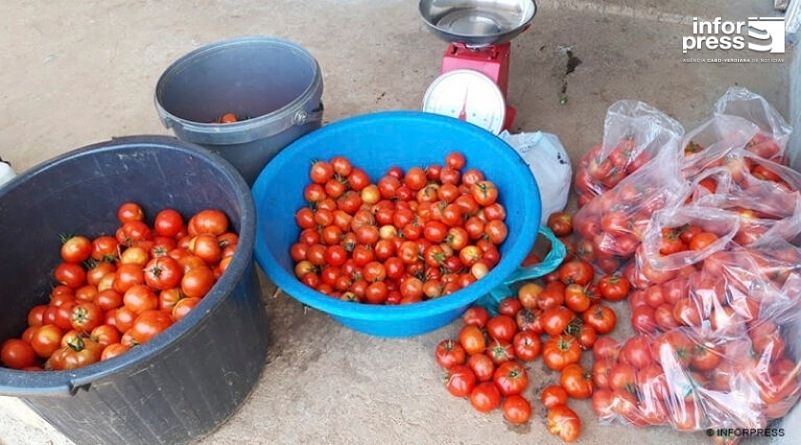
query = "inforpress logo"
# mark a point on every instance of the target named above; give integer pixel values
(761, 34)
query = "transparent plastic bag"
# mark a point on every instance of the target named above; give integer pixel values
(708, 145)
(634, 133)
(615, 221)
(680, 237)
(550, 165)
(774, 131)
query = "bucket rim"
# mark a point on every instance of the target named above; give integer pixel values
(284, 115)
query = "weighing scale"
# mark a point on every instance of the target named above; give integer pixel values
(474, 79)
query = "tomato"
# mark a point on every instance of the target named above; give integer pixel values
(472, 339)
(705, 358)
(560, 223)
(556, 319)
(149, 324)
(474, 227)
(86, 316)
(671, 242)
(163, 272)
(636, 351)
(527, 345)
(133, 232)
(509, 306)
(182, 307)
(600, 373)
(104, 248)
(553, 395)
(674, 346)
(576, 382)
(687, 312)
(105, 335)
(652, 384)
(502, 328)
(124, 319)
(449, 353)
(500, 352)
(643, 319)
(702, 240)
(614, 287)
(376, 293)
(95, 274)
(601, 318)
(476, 316)
(17, 354)
(564, 423)
(455, 160)
(168, 223)
(321, 172)
(516, 409)
(70, 274)
(623, 377)
(496, 231)
(461, 381)
(511, 378)
(484, 192)
(78, 353)
(472, 176)
(76, 249)
(552, 295)
(528, 295)
(561, 351)
(587, 337)
(36, 315)
(485, 397)
(576, 271)
(602, 403)
(113, 350)
(140, 298)
(46, 340)
(209, 221)
(576, 298)
(127, 276)
(197, 282)
(130, 211)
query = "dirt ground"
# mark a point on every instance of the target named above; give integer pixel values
(75, 73)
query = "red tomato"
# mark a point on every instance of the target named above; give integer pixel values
(511, 378)
(516, 409)
(553, 395)
(472, 339)
(130, 211)
(113, 350)
(614, 287)
(163, 273)
(449, 353)
(149, 324)
(509, 306)
(576, 271)
(560, 223)
(500, 352)
(197, 282)
(461, 381)
(556, 319)
(484, 192)
(485, 397)
(577, 298)
(46, 340)
(70, 274)
(528, 295)
(105, 335)
(576, 381)
(183, 307)
(17, 354)
(601, 318)
(476, 316)
(502, 328)
(636, 352)
(552, 295)
(564, 423)
(561, 351)
(86, 316)
(702, 240)
(527, 345)
(482, 366)
(76, 249)
(209, 221)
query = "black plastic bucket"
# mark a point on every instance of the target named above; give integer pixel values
(275, 83)
(187, 380)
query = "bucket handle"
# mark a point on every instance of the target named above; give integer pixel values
(551, 261)
(303, 117)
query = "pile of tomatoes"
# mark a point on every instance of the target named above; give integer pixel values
(115, 292)
(558, 318)
(411, 236)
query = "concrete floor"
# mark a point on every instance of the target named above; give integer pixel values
(75, 73)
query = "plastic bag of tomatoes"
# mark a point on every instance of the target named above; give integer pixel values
(634, 132)
(615, 221)
(692, 382)
(679, 238)
(112, 293)
(774, 131)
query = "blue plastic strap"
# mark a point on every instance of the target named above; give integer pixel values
(554, 258)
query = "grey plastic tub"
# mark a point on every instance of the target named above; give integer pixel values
(189, 379)
(276, 83)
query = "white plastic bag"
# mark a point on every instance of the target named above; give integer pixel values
(550, 165)
(6, 172)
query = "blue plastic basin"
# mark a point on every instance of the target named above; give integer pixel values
(376, 142)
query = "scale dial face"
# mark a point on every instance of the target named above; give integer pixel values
(467, 95)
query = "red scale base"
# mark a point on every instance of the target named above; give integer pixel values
(492, 61)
